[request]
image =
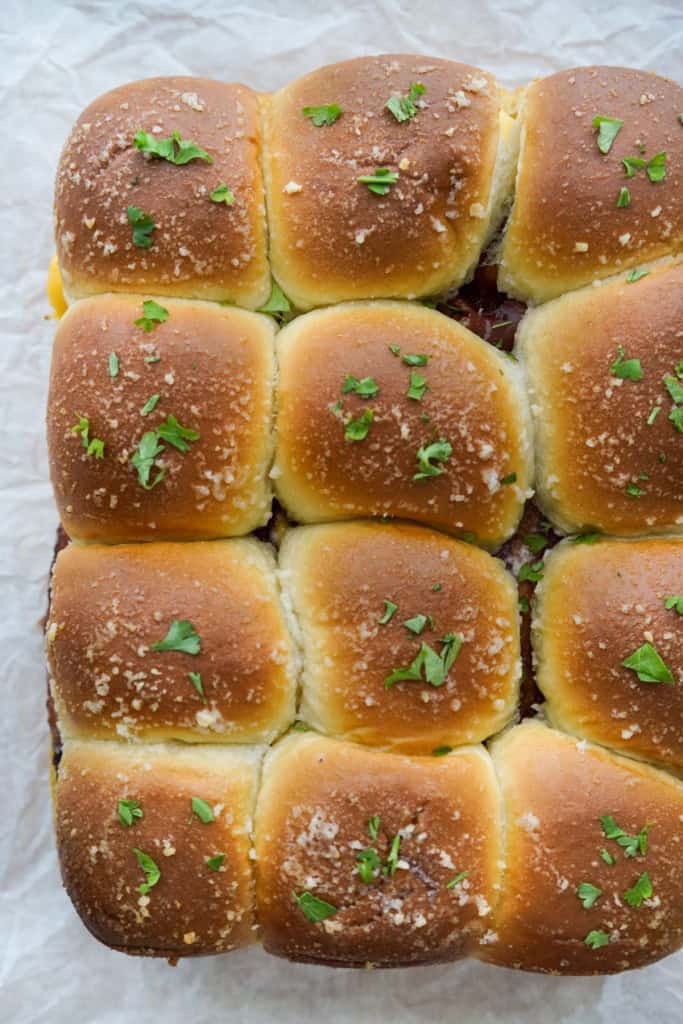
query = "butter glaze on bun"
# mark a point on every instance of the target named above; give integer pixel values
(331, 237)
(200, 248)
(211, 368)
(565, 229)
(339, 579)
(609, 455)
(192, 909)
(474, 400)
(112, 604)
(315, 806)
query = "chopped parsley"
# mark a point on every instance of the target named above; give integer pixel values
(412, 359)
(624, 197)
(150, 868)
(181, 637)
(531, 571)
(365, 388)
(176, 434)
(632, 845)
(113, 365)
(394, 349)
(128, 811)
(173, 149)
(535, 542)
(381, 181)
(196, 680)
(634, 491)
(608, 129)
(202, 810)
(143, 459)
(588, 894)
(648, 665)
(436, 588)
(278, 305)
(93, 446)
(607, 856)
(632, 164)
(357, 430)
(373, 826)
(418, 623)
(313, 908)
(441, 751)
(434, 666)
(654, 413)
(325, 114)
(150, 405)
(635, 275)
(676, 417)
(524, 605)
(457, 880)
(418, 386)
(674, 602)
(586, 538)
(389, 609)
(215, 863)
(152, 314)
(511, 478)
(222, 194)
(656, 168)
(143, 225)
(392, 858)
(626, 369)
(596, 939)
(369, 864)
(639, 891)
(437, 451)
(675, 390)
(404, 107)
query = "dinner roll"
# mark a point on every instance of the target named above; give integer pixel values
(385, 176)
(139, 207)
(605, 376)
(608, 636)
(366, 857)
(592, 881)
(588, 202)
(392, 409)
(154, 844)
(181, 400)
(170, 641)
(374, 603)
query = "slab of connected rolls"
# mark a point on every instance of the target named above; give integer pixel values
(313, 740)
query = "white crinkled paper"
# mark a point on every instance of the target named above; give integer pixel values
(55, 58)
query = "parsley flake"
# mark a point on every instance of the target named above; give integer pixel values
(648, 665)
(392, 858)
(588, 894)
(373, 826)
(412, 359)
(181, 637)
(222, 194)
(173, 149)
(150, 868)
(389, 609)
(326, 114)
(626, 369)
(608, 129)
(434, 666)
(632, 164)
(441, 751)
(624, 197)
(113, 365)
(511, 478)
(176, 434)
(596, 939)
(278, 305)
(654, 413)
(674, 602)
(639, 891)
(607, 856)
(631, 845)
(128, 811)
(143, 459)
(532, 571)
(365, 388)
(196, 680)
(202, 810)
(635, 275)
(313, 908)
(152, 314)
(215, 863)
(357, 430)
(656, 168)
(143, 225)
(150, 405)
(93, 446)
(437, 451)
(418, 386)
(457, 880)
(381, 181)
(404, 107)
(418, 623)
(675, 390)
(369, 864)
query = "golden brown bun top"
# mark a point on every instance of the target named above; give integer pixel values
(334, 239)
(340, 577)
(212, 369)
(594, 441)
(556, 790)
(200, 248)
(597, 605)
(317, 798)
(192, 909)
(475, 402)
(566, 229)
(111, 605)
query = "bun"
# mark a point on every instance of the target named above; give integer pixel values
(597, 605)
(199, 249)
(565, 229)
(475, 401)
(312, 819)
(339, 579)
(555, 792)
(111, 605)
(332, 238)
(213, 370)
(192, 909)
(605, 459)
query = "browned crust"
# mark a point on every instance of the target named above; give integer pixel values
(475, 401)
(311, 819)
(555, 792)
(111, 604)
(201, 249)
(338, 578)
(331, 238)
(592, 435)
(597, 604)
(214, 374)
(192, 910)
(566, 189)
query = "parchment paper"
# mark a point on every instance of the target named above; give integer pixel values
(55, 58)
